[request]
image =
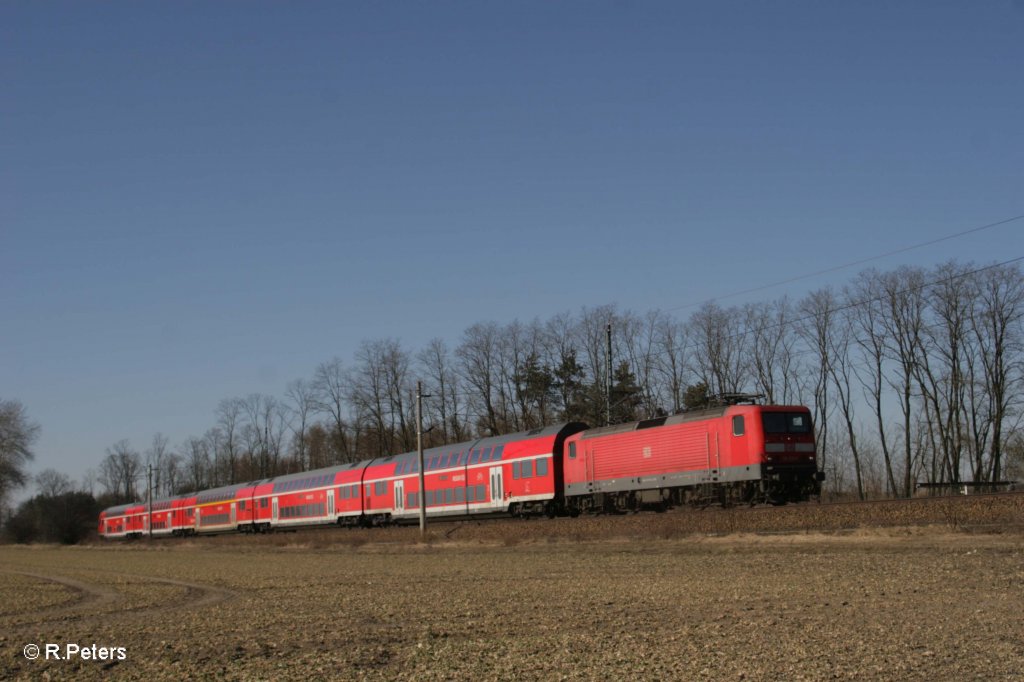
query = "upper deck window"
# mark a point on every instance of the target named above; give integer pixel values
(786, 422)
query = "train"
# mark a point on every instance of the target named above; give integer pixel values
(731, 454)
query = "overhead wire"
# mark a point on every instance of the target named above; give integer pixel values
(851, 264)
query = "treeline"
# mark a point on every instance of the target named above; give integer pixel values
(912, 374)
(58, 512)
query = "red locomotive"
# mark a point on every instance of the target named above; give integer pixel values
(737, 453)
(730, 454)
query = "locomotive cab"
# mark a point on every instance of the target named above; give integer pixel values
(789, 456)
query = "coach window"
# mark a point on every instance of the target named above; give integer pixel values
(486, 457)
(527, 469)
(737, 425)
(572, 450)
(542, 467)
(515, 470)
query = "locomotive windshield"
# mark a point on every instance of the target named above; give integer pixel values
(786, 422)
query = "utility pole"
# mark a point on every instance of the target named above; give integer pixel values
(419, 451)
(608, 378)
(149, 499)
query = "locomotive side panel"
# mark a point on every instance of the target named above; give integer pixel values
(650, 452)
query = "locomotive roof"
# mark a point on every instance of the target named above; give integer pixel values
(681, 418)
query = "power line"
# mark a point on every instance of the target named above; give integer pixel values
(851, 264)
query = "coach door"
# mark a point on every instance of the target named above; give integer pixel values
(330, 503)
(273, 509)
(197, 513)
(497, 489)
(399, 497)
(233, 516)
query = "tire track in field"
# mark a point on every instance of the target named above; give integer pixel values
(83, 594)
(93, 600)
(197, 595)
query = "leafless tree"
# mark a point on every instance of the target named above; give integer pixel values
(528, 355)
(52, 483)
(331, 391)
(514, 349)
(997, 325)
(302, 404)
(17, 433)
(172, 475)
(770, 349)
(672, 362)
(479, 367)
(229, 418)
(865, 300)
(816, 316)
(197, 463)
(378, 390)
(263, 433)
(640, 337)
(154, 458)
(119, 471)
(717, 335)
(88, 483)
(903, 292)
(591, 340)
(944, 367)
(276, 426)
(840, 371)
(216, 446)
(561, 355)
(442, 384)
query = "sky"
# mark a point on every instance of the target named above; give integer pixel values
(206, 200)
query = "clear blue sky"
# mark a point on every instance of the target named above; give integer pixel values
(203, 200)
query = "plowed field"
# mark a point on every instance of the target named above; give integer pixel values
(510, 601)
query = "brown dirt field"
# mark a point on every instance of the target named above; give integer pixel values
(611, 598)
